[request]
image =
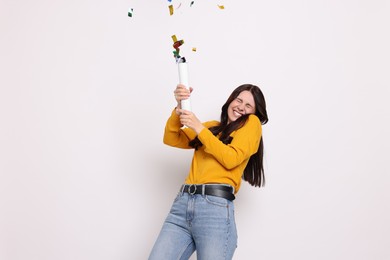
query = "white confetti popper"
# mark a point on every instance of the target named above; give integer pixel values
(183, 79)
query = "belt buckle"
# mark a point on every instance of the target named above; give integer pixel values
(189, 189)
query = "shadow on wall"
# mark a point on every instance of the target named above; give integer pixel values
(164, 174)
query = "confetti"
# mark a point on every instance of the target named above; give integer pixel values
(192, 2)
(194, 49)
(176, 53)
(170, 10)
(130, 12)
(221, 7)
(177, 44)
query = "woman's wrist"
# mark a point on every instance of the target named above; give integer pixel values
(178, 106)
(199, 128)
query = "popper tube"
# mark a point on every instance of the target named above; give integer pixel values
(183, 79)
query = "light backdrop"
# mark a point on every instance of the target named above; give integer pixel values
(85, 92)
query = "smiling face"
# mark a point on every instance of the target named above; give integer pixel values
(243, 104)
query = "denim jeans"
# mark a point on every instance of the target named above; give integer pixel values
(197, 222)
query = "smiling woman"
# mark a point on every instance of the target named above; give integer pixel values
(202, 216)
(242, 105)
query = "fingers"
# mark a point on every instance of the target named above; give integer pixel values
(186, 117)
(184, 112)
(189, 119)
(181, 92)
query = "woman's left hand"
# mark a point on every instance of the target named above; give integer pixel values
(189, 119)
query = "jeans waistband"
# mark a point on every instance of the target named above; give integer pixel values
(218, 190)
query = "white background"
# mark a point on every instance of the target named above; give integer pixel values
(85, 92)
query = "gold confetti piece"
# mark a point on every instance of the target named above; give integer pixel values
(174, 38)
(170, 10)
(193, 49)
(221, 7)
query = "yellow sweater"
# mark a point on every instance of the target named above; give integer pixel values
(214, 161)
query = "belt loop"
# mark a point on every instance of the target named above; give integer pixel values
(203, 189)
(182, 189)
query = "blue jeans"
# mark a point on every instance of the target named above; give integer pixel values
(197, 222)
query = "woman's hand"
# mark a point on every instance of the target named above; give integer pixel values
(189, 119)
(181, 93)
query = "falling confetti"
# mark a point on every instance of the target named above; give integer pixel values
(130, 12)
(176, 45)
(170, 10)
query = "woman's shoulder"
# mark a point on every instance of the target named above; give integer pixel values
(253, 119)
(252, 125)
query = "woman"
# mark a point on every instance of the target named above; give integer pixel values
(202, 215)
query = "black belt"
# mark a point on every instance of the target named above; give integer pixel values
(222, 191)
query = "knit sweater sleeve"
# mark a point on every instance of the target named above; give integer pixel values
(245, 143)
(174, 135)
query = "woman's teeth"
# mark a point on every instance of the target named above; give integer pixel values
(237, 114)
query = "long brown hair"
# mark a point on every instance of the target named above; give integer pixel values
(254, 171)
